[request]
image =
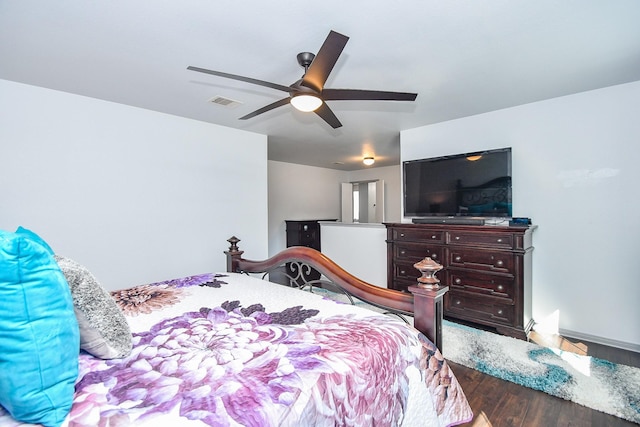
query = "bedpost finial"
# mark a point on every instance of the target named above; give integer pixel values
(428, 267)
(234, 243)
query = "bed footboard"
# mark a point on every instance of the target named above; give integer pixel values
(424, 305)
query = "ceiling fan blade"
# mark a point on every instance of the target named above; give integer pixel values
(366, 95)
(323, 63)
(241, 78)
(327, 115)
(269, 107)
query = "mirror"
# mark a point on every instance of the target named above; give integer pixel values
(363, 201)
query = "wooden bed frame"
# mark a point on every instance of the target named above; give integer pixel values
(425, 305)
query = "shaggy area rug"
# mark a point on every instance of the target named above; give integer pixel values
(598, 384)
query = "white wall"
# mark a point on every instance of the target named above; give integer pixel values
(134, 195)
(298, 192)
(301, 192)
(575, 173)
(392, 178)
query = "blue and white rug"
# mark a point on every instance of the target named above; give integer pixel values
(598, 384)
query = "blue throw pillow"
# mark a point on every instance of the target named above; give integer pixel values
(39, 338)
(34, 237)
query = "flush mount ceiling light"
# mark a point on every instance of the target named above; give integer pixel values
(368, 161)
(306, 103)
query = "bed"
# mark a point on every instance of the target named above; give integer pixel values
(233, 348)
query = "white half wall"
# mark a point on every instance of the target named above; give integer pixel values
(575, 173)
(135, 195)
(361, 249)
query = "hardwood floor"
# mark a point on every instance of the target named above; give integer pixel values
(498, 403)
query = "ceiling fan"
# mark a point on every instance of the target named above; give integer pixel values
(308, 93)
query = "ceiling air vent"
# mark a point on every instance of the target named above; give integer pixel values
(225, 102)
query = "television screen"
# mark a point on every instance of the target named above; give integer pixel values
(470, 184)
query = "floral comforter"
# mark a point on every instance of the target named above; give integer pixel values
(230, 350)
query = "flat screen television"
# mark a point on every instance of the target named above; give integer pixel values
(474, 184)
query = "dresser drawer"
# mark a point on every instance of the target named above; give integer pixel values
(402, 284)
(302, 226)
(404, 252)
(308, 238)
(490, 310)
(488, 284)
(478, 259)
(484, 239)
(418, 235)
(406, 271)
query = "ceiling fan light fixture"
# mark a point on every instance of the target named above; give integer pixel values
(308, 93)
(368, 161)
(306, 103)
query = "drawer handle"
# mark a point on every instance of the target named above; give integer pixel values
(499, 240)
(433, 237)
(402, 252)
(401, 234)
(457, 237)
(401, 271)
(499, 263)
(500, 312)
(434, 256)
(457, 302)
(500, 288)
(458, 281)
(458, 259)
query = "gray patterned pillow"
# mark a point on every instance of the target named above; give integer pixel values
(104, 331)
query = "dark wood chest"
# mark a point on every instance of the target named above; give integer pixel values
(487, 269)
(304, 233)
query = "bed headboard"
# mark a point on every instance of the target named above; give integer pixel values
(492, 197)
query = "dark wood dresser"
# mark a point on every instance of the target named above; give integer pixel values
(305, 233)
(487, 269)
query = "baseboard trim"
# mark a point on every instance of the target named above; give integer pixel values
(600, 340)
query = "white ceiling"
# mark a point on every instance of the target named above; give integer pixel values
(461, 57)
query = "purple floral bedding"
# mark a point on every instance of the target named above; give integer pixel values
(230, 350)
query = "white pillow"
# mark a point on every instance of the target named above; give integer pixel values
(104, 331)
